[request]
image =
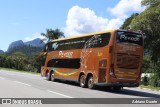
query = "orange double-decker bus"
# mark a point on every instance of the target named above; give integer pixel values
(111, 58)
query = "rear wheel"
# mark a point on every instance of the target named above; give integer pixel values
(90, 82)
(82, 81)
(52, 76)
(48, 76)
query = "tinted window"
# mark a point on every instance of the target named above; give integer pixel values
(129, 37)
(64, 63)
(93, 41)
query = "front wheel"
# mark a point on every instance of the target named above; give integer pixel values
(48, 76)
(52, 77)
(90, 82)
(83, 81)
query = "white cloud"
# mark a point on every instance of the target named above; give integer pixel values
(34, 36)
(124, 7)
(114, 23)
(83, 20)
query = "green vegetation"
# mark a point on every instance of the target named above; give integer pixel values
(13, 70)
(25, 49)
(126, 25)
(21, 61)
(150, 87)
(148, 22)
(26, 58)
(52, 34)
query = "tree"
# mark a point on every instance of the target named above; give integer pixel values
(128, 21)
(150, 2)
(52, 34)
(149, 22)
(19, 58)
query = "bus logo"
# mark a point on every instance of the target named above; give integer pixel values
(65, 54)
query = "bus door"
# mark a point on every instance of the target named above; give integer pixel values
(127, 56)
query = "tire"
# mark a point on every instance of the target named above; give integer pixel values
(48, 76)
(82, 81)
(90, 82)
(52, 76)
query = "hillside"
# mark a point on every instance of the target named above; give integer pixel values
(26, 49)
(1, 52)
(19, 43)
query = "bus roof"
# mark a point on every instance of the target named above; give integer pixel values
(77, 36)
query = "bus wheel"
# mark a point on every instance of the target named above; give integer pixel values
(90, 82)
(52, 76)
(48, 76)
(82, 81)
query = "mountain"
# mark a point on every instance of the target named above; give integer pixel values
(1, 52)
(15, 43)
(25, 49)
(35, 43)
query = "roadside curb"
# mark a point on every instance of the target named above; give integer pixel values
(148, 89)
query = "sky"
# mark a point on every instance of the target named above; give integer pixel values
(27, 19)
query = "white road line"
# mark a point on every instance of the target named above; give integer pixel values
(59, 94)
(22, 83)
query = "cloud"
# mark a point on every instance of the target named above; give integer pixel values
(83, 20)
(34, 36)
(125, 6)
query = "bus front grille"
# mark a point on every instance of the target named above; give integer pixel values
(128, 61)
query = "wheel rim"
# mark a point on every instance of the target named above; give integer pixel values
(90, 83)
(52, 77)
(48, 75)
(82, 81)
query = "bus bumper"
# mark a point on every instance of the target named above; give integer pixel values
(118, 84)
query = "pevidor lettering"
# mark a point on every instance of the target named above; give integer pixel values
(129, 38)
(66, 54)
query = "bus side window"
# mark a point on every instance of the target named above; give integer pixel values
(54, 46)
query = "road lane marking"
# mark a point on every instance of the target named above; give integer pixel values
(22, 83)
(59, 94)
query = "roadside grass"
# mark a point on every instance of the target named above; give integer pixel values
(13, 70)
(150, 87)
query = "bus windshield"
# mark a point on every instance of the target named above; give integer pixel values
(129, 37)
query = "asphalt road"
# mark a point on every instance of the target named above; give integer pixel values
(24, 85)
